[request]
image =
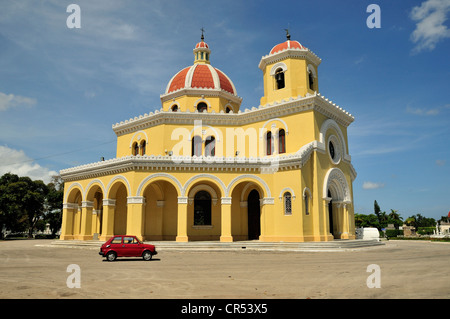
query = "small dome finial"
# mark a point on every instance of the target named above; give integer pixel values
(288, 36)
(203, 30)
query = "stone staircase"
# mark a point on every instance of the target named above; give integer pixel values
(253, 245)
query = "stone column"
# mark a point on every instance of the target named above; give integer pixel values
(266, 218)
(226, 220)
(135, 218)
(182, 220)
(67, 221)
(109, 206)
(86, 220)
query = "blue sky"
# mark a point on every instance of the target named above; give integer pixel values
(62, 89)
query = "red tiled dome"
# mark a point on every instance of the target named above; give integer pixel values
(287, 45)
(201, 76)
(201, 45)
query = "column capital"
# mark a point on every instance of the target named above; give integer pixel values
(136, 200)
(109, 202)
(225, 201)
(87, 204)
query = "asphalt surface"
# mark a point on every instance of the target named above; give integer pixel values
(33, 269)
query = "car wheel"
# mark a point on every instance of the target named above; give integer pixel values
(111, 256)
(147, 255)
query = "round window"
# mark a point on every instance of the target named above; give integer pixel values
(331, 148)
(334, 149)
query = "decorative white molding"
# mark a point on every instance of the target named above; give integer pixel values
(277, 66)
(284, 190)
(307, 192)
(338, 151)
(87, 204)
(109, 202)
(69, 189)
(70, 206)
(267, 201)
(146, 180)
(182, 200)
(256, 179)
(204, 176)
(118, 178)
(136, 200)
(294, 53)
(138, 132)
(337, 184)
(225, 201)
(261, 113)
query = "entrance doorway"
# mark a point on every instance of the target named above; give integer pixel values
(254, 215)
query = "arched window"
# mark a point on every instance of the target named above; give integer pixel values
(175, 108)
(202, 107)
(142, 147)
(135, 149)
(287, 200)
(210, 146)
(196, 146)
(279, 79)
(269, 143)
(281, 141)
(306, 198)
(311, 80)
(228, 110)
(202, 208)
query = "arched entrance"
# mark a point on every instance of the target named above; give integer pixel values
(337, 195)
(254, 215)
(202, 208)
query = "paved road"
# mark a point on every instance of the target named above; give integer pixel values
(407, 270)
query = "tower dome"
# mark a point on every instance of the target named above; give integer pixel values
(202, 79)
(201, 74)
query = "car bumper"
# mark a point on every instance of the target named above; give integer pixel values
(101, 253)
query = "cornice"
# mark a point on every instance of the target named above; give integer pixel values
(200, 91)
(264, 164)
(255, 114)
(289, 53)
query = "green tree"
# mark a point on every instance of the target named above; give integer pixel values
(54, 203)
(11, 215)
(22, 203)
(394, 218)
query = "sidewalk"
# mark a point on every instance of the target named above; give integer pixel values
(335, 245)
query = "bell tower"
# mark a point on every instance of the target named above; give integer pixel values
(289, 70)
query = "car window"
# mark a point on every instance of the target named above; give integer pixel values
(116, 240)
(129, 240)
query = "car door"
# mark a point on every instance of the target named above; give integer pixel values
(117, 245)
(131, 246)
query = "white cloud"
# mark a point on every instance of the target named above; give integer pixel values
(430, 29)
(10, 100)
(16, 162)
(372, 185)
(419, 111)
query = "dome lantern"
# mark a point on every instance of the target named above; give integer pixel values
(202, 51)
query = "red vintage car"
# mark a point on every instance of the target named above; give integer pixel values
(126, 246)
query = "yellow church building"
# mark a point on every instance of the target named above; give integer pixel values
(201, 168)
